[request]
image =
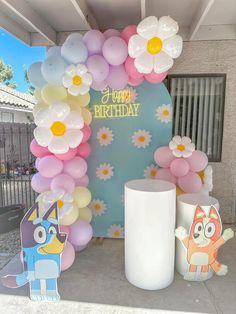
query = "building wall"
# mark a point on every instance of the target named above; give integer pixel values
(218, 57)
(18, 116)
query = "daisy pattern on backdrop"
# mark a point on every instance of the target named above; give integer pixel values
(64, 201)
(77, 79)
(164, 113)
(141, 139)
(182, 146)
(98, 207)
(115, 231)
(105, 172)
(151, 172)
(105, 136)
(155, 45)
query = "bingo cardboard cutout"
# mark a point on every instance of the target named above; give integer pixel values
(42, 245)
(202, 244)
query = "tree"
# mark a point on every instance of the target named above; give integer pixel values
(6, 74)
(31, 88)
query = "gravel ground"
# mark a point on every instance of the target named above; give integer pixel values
(9, 246)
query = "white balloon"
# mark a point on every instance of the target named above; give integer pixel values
(35, 76)
(173, 46)
(162, 62)
(54, 51)
(167, 27)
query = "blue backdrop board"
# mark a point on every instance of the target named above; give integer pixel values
(127, 128)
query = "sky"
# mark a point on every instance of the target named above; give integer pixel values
(17, 54)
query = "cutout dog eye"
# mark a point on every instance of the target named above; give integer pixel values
(40, 234)
(198, 227)
(52, 230)
(210, 229)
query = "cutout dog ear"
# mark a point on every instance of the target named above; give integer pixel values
(199, 213)
(214, 213)
(52, 212)
(32, 213)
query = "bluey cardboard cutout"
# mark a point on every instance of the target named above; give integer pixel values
(42, 245)
(202, 244)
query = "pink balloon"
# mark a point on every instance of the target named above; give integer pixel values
(39, 183)
(163, 156)
(68, 256)
(155, 77)
(79, 248)
(128, 31)
(50, 166)
(64, 229)
(115, 50)
(81, 233)
(94, 41)
(67, 156)
(166, 175)
(98, 67)
(76, 168)
(111, 33)
(197, 161)
(84, 150)
(135, 82)
(98, 86)
(87, 133)
(37, 150)
(131, 69)
(179, 167)
(84, 181)
(37, 163)
(191, 183)
(63, 182)
(117, 78)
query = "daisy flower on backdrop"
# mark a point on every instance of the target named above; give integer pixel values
(141, 138)
(105, 136)
(105, 171)
(115, 231)
(151, 172)
(98, 207)
(164, 113)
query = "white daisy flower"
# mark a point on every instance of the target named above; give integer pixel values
(115, 231)
(155, 44)
(164, 113)
(181, 147)
(151, 172)
(141, 138)
(98, 207)
(77, 79)
(58, 128)
(105, 136)
(207, 178)
(105, 171)
(64, 201)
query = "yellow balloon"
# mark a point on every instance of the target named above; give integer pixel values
(53, 93)
(70, 218)
(80, 100)
(38, 107)
(82, 196)
(74, 106)
(37, 94)
(179, 191)
(85, 214)
(87, 115)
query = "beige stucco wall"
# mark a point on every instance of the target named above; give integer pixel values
(218, 57)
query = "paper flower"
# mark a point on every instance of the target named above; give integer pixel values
(150, 172)
(141, 138)
(207, 179)
(155, 45)
(181, 147)
(164, 113)
(115, 231)
(98, 207)
(105, 136)
(64, 201)
(76, 79)
(104, 172)
(58, 128)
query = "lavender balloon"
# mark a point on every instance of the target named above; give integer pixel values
(81, 233)
(79, 248)
(99, 85)
(115, 50)
(98, 67)
(94, 40)
(117, 78)
(40, 184)
(50, 166)
(111, 33)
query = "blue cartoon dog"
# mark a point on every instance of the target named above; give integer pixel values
(42, 245)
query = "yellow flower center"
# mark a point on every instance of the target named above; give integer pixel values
(181, 147)
(60, 204)
(105, 172)
(104, 136)
(97, 206)
(117, 233)
(202, 175)
(154, 45)
(77, 80)
(166, 113)
(58, 128)
(153, 173)
(141, 138)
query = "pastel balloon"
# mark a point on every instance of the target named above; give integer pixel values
(68, 256)
(111, 32)
(155, 77)
(70, 218)
(86, 132)
(163, 156)
(38, 107)
(128, 31)
(53, 93)
(84, 150)
(78, 101)
(82, 196)
(64, 229)
(85, 214)
(131, 69)
(191, 183)
(98, 67)
(35, 75)
(115, 50)
(74, 36)
(63, 182)
(74, 50)
(179, 167)
(117, 78)
(50, 166)
(39, 183)
(54, 51)
(38, 150)
(87, 116)
(69, 155)
(94, 40)
(37, 162)
(37, 94)
(79, 248)
(76, 167)
(81, 233)
(84, 181)
(53, 69)
(197, 161)
(135, 82)
(166, 175)
(99, 86)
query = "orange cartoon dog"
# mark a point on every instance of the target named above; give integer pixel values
(203, 242)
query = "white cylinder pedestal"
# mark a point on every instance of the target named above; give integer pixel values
(186, 206)
(149, 233)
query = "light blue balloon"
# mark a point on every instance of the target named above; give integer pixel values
(74, 36)
(35, 76)
(54, 51)
(74, 50)
(53, 69)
